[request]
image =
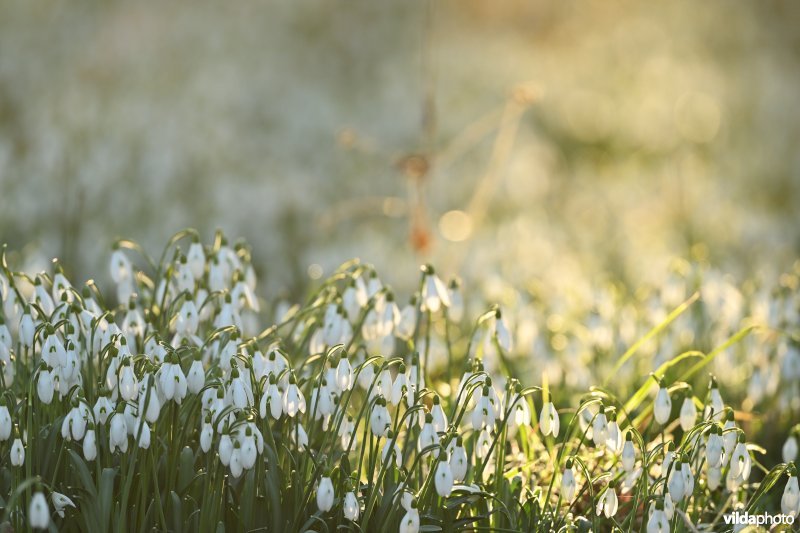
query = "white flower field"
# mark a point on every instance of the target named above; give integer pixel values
(196, 405)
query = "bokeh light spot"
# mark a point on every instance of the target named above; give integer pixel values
(315, 271)
(455, 226)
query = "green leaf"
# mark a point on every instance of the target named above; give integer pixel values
(106, 496)
(273, 485)
(246, 499)
(83, 473)
(177, 516)
(655, 331)
(186, 469)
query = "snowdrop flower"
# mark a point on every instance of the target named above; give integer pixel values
(239, 391)
(133, 325)
(715, 407)
(501, 333)
(346, 431)
(484, 414)
(102, 408)
(128, 385)
(225, 449)
(228, 315)
(628, 453)
(206, 434)
(549, 421)
(325, 494)
(53, 351)
(344, 373)
(444, 476)
(273, 399)
(61, 502)
(730, 434)
(428, 435)
(438, 415)
(337, 329)
(688, 415)
(663, 405)
(196, 378)
(5, 335)
(235, 461)
(384, 385)
(568, 483)
(216, 276)
(740, 460)
(27, 329)
(609, 503)
(5, 421)
(669, 506)
(171, 379)
(790, 501)
(248, 453)
(42, 298)
(658, 523)
(688, 479)
(714, 477)
(434, 292)
(380, 419)
(186, 324)
(6, 365)
(353, 300)
(675, 483)
(734, 481)
(459, 461)
(17, 453)
(407, 322)
(118, 433)
(789, 450)
(90, 444)
(351, 507)
(374, 284)
(520, 411)
(120, 267)
(196, 259)
(38, 512)
(400, 386)
(600, 427)
(366, 376)
(410, 521)
(293, 399)
(416, 379)
(389, 448)
(299, 436)
(714, 447)
(44, 385)
(74, 424)
(484, 444)
(388, 316)
(185, 279)
(614, 441)
(143, 432)
(243, 294)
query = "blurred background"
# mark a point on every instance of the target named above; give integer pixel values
(553, 143)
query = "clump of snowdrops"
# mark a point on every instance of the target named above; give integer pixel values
(173, 410)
